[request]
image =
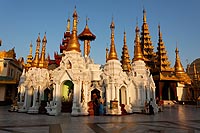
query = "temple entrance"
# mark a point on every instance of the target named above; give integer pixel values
(47, 95)
(122, 96)
(67, 96)
(94, 103)
(168, 92)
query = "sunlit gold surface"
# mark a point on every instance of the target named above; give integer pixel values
(162, 61)
(178, 66)
(8, 54)
(146, 43)
(125, 56)
(137, 48)
(73, 44)
(35, 61)
(112, 54)
(43, 62)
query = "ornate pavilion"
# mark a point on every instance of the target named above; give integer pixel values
(72, 82)
(10, 72)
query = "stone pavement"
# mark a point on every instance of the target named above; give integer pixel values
(174, 119)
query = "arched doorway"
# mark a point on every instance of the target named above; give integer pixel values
(67, 96)
(122, 96)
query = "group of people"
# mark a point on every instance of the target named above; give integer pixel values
(98, 105)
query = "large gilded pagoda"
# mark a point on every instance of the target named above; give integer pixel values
(170, 84)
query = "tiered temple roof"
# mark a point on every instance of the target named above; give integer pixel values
(125, 58)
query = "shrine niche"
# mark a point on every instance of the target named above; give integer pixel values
(67, 96)
(122, 96)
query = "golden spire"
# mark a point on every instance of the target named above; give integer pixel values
(146, 44)
(31, 49)
(73, 44)
(137, 48)
(42, 62)
(113, 53)
(36, 59)
(144, 16)
(126, 66)
(30, 57)
(68, 25)
(178, 66)
(162, 62)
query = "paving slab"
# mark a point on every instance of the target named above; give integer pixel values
(174, 119)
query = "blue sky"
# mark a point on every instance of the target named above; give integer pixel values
(22, 20)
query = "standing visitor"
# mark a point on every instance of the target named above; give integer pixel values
(101, 110)
(151, 112)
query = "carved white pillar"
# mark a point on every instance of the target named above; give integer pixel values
(127, 96)
(116, 93)
(85, 92)
(107, 99)
(113, 91)
(79, 91)
(34, 96)
(75, 98)
(25, 97)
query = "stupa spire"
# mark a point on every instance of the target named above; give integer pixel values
(68, 25)
(162, 62)
(137, 48)
(125, 58)
(36, 59)
(178, 66)
(42, 62)
(146, 43)
(73, 44)
(112, 54)
(29, 57)
(144, 16)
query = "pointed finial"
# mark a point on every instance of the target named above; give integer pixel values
(31, 48)
(87, 19)
(38, 39)
(68, 25)
(137, 48)
(113, 53)
(112, 26)
(159, 32)
(44, 38)
(136, 21)
(75, 13)
(144, 16)
(178, 66)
